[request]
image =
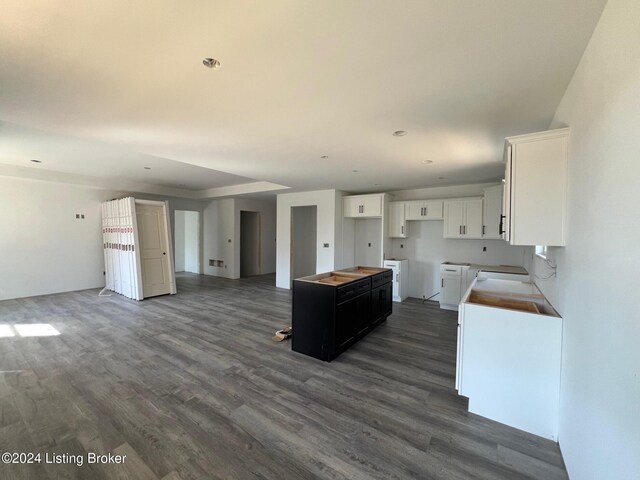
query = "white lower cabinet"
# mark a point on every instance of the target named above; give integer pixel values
(400, 278)
(453, 280)
(508, 359)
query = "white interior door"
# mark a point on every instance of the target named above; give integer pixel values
(152, 230)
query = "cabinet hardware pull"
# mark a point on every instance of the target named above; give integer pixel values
(460, 229)
(442, 282)
(464, 229)
(402, 229)
(500, 227)
(483, 227)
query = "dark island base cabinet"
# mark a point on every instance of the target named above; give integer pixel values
(328, 318)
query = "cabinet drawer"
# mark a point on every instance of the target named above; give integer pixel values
(381, 278)
(352, 290)
(451, 270)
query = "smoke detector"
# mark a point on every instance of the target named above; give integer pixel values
(211, 63)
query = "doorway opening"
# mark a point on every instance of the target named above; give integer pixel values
(187, 228)
(250, 244)
(304, 232)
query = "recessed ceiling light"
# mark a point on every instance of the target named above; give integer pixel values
(324, 156)
(36, 161)
(376, 184)
(211, 63)
(440, 178)
(427, 161)
(147, 168)
(354, 171)
(399, 133)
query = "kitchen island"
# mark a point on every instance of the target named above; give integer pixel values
(333, 310)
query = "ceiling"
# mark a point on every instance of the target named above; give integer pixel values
(105, 88)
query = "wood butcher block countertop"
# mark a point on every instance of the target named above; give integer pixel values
(500, 269)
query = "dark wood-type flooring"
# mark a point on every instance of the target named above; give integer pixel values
(191, 386)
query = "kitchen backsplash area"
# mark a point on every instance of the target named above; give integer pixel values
(426, 249)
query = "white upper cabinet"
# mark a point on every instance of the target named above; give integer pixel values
(492, 211)
(463, 218)
(397, 223)
(359, 206)
(424, 210)
(535, 192)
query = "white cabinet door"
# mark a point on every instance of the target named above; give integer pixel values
(424, 210)
(472, 227)
(451, 287)
(397, 224)
(463, 218)
(414, 210)
(351, 207)
(453, 218)
(372, 206)
(536, 186)
(433, 211)
(492, 210)
(357, 206)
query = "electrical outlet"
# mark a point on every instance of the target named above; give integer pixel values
(484, 249)
(77, 215)
(402, 245)
(212, 263)
(326, 245)
(82, 216)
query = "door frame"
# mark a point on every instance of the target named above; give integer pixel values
(167, 234)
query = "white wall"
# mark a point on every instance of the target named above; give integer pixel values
(191, 241)
(426, 250)
(329, 231)
(218, 231)
(178, 240)
(596, 289)
(368, 242)
(43, 248)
